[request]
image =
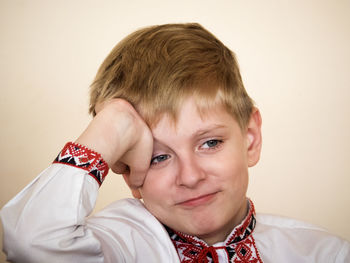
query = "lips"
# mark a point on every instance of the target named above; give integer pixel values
(198, 201)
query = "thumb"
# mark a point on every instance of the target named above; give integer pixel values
(136, 178)
(134, 190)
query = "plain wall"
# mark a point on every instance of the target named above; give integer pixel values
(294, 58)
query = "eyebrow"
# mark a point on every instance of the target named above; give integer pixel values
(200, 132)
(208, 129)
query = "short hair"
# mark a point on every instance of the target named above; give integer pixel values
(158, 67)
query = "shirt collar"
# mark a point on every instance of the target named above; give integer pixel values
(192, 249)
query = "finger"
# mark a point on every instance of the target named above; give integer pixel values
(136, 179)
(120, 168)
(139, 167)
(134, 190)
(132, 182)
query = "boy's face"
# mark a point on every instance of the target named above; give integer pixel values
(198, 178)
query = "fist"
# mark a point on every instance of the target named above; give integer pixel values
(123, 139)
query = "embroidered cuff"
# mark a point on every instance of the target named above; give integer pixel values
(80, 156)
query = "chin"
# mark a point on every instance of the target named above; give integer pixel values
(203, 226)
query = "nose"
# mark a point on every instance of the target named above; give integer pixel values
(190, 173)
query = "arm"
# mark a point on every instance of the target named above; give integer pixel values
(47, 220)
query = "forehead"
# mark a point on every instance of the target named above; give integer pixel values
(206, 98)
(192, 119)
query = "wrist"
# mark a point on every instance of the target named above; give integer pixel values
(82, 157)
(111, 133)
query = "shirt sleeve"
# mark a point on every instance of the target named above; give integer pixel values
(344, 253)
(46, 221)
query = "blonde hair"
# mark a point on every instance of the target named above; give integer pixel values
(157, 67)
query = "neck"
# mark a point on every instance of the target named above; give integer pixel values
(221, 235)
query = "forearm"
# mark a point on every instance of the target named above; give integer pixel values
(47, 219)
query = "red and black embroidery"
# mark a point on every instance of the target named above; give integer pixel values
(84, 158)
(239, 246)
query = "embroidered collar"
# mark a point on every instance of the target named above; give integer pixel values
(239, 246)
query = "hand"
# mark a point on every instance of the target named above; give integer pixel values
(123, 139)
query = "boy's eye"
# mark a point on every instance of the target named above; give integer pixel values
(211, 144)
(159, 158)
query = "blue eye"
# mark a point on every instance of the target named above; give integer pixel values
(159, 158)
(211, 144)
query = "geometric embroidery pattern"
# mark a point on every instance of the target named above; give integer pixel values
(82, 157)
(239, 246)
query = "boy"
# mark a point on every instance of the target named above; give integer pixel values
(171, 114)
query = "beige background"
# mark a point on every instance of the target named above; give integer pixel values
(295, 61)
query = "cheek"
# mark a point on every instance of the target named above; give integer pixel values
(157, 195)
(232, 162)
(156, 187)
(232, 169)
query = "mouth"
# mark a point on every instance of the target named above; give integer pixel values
(198, 201)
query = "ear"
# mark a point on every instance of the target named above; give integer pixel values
(254, 139)
(134, 191)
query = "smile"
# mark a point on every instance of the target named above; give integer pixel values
(198, 201)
